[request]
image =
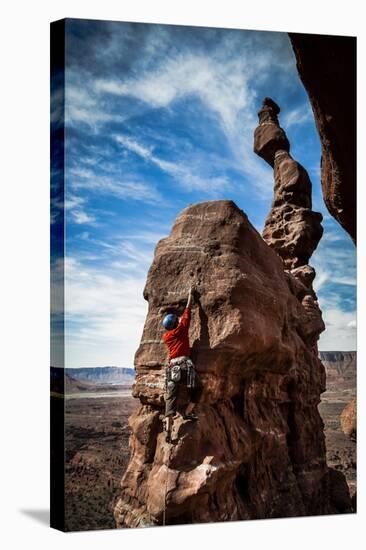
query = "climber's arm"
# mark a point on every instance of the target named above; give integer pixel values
(189, 302)
(186, 317)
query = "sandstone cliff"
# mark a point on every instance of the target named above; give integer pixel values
(327, 68)
(258, 448)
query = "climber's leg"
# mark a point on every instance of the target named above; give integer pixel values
(168, 421)
(193, 397)
(188, 413)
(171, 398)
(170, 407)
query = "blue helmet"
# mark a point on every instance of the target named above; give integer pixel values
(170, 321)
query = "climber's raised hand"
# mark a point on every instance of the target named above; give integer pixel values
(190, 295)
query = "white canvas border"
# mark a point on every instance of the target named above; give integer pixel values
(24, 272)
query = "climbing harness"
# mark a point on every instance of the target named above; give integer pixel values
(175, 373)
(179, 364)
(179, 373)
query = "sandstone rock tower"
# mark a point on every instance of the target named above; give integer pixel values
(292, 229)
(258, 448)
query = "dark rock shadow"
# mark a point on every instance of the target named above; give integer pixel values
(203, 341)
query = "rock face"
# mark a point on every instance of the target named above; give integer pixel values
(258, 448)
(349, 420)
(291, 227)
(327, 68)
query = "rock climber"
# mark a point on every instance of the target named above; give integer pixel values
(181, 376)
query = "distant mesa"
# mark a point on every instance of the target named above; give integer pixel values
(72, 385)
(337, 356)
(90, 379)
(103, 375)
(340, 367)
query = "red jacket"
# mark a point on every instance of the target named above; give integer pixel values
(177, 340)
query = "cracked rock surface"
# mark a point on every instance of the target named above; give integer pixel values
(257, 450)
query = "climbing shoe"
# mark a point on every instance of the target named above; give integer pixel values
(192, 417)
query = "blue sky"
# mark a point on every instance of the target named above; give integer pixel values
(158, 117)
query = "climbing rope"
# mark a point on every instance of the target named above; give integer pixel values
(166, 487)
(167, 429)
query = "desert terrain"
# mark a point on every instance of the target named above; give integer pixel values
(341, 388)
(97, 433)
(96, 440)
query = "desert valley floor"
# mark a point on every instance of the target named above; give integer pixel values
(97, 450)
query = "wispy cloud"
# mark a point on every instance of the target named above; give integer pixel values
(132, 251)
(224, 89)
(83, 106)
(340, 333)
(221, 86)
(76, 212)
(348, 281)
(82, 179)
(102, 310)
(104, 305)
(332, 237)
(80, 217)
(335, 284)
(159, 117)
(187, 176)
(135, 147)
(322, 276)
(222, 80)
(298, 116)
(150, 237)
